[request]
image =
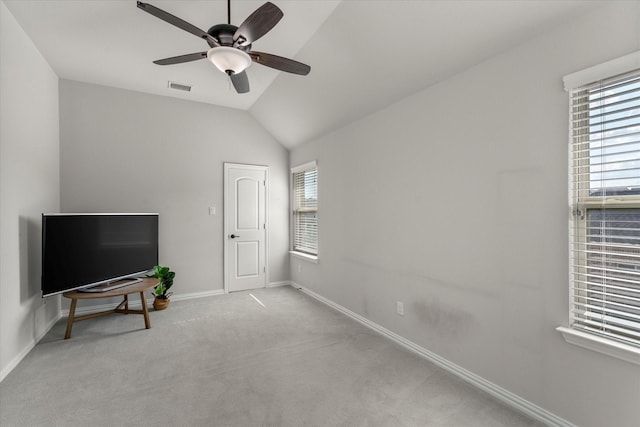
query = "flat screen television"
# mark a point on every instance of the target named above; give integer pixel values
(84, 250)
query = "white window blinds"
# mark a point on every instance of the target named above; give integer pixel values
(605, 198)
(305, 209)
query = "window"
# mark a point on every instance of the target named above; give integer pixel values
(305, 209)
(605, 201)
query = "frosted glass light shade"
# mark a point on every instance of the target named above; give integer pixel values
(229, 59)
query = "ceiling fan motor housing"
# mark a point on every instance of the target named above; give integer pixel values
(224, 34)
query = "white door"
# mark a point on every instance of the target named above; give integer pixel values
(245, 225)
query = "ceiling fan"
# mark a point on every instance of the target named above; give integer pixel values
(230, 46)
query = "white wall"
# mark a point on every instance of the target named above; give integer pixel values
(454, 201)
(124, 151)
(29, 185)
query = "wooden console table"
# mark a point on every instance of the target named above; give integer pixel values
(123, 307)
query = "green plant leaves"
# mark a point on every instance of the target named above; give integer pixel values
(166, 277)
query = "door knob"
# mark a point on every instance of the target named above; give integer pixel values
(233, 236)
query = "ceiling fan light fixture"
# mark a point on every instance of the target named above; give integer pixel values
(230, 45)
(229, 59)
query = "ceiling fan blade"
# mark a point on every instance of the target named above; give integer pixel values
(174, 20)
(258, 23)
(240, 82)
(182, 58)
(280, 63)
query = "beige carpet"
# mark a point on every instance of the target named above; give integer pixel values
(230, 361)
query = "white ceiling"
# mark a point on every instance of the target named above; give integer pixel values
(364, 54)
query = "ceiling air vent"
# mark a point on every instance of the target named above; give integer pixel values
(178, 86)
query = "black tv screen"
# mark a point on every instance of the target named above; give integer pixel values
(83, 250)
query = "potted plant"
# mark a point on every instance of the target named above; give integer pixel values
(161, 291)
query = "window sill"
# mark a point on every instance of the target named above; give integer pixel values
(307, 257)
(602, 345)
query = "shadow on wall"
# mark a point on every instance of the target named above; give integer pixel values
(30, 250)
(443, 320)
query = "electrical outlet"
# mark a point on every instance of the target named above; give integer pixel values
(400, 308)
(299, 268)
(212, 210)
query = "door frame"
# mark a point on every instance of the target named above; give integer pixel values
(226, 221)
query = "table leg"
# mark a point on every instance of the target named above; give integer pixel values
(143, 301)
(72, 312)
(126, 303)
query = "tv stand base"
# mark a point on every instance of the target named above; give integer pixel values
(112, 285)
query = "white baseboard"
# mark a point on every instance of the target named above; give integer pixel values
(16, 360)
(496, 391)
(276, 284)
(194, 295)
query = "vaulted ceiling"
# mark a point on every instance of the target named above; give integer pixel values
(364, 54)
